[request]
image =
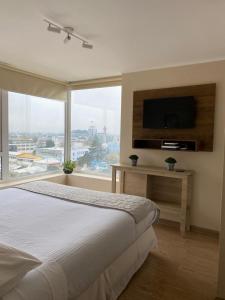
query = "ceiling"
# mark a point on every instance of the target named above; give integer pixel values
(128, 35)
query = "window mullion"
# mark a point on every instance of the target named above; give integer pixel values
(5, 136)
(67, 143)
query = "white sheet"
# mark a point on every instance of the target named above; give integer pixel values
(82, 241)
(14, 264)
(46, 282)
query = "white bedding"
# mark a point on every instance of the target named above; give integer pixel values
(76, 242)
(115, 278)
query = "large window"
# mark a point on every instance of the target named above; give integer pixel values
(95, 138)
(36, 135)
(1, 148)
(33, 132)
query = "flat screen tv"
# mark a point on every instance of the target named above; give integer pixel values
(176, 112)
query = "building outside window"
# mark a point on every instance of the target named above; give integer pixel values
(36, 135)
(95, 125)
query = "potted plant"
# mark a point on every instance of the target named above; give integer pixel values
(134, 159)
(69, 166)
(170, 163)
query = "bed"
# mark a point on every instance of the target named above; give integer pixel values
(87, 252)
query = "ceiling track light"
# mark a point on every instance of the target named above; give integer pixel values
(67, 38)
(52, 27)
(87, 45)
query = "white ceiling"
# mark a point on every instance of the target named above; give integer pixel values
(128, 35)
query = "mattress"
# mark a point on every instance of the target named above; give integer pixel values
(75, 242)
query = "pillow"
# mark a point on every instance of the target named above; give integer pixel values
(14, 264)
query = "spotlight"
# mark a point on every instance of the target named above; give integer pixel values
(67, 38)
(53, 28)
(87, 45)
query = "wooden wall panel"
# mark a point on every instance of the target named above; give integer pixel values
(204, 126)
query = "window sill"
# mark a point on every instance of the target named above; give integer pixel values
(13, 182)
(91, 176)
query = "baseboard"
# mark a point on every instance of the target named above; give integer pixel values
(193, 228)
(209, 232)
(169, 223)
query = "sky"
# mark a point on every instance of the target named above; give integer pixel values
(98, 107)
(33, 114)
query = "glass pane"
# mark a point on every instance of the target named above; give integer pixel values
(96, 129)
(36, 135)
(0, 168)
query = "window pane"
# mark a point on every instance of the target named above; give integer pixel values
(96, 129)
(0, 168)
(36, 135)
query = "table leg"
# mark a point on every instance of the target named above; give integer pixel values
(113, 180)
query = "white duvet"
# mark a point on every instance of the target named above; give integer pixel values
(75, 242)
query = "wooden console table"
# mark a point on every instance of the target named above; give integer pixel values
(171, 190)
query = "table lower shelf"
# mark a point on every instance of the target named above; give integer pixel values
(169, 211)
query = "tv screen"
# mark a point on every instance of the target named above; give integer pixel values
(176, 112)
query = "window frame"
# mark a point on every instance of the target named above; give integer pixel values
(4, 156)
(88, 84)
(67, 131)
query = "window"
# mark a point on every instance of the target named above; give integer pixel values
(36, 135)
(95, 125)
(1, 150)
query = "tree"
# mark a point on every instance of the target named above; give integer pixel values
(50, 143)
(95, 150)
(95, 153)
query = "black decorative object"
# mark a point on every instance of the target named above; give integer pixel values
(134, 159)
(170, 163)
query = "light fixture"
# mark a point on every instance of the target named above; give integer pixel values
(67, 38)
(69, 33)
(87, 45)
(53, 28)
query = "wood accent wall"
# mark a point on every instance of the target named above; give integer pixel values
(204, 126)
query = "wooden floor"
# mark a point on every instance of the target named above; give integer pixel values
(181, 269)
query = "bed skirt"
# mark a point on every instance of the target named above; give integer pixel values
(111, 283)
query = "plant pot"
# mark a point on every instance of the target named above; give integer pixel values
(170, 167)
(134, 162)
(67, 171)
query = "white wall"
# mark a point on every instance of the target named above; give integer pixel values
(221, 277)
(208, 166)
(221, 274)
